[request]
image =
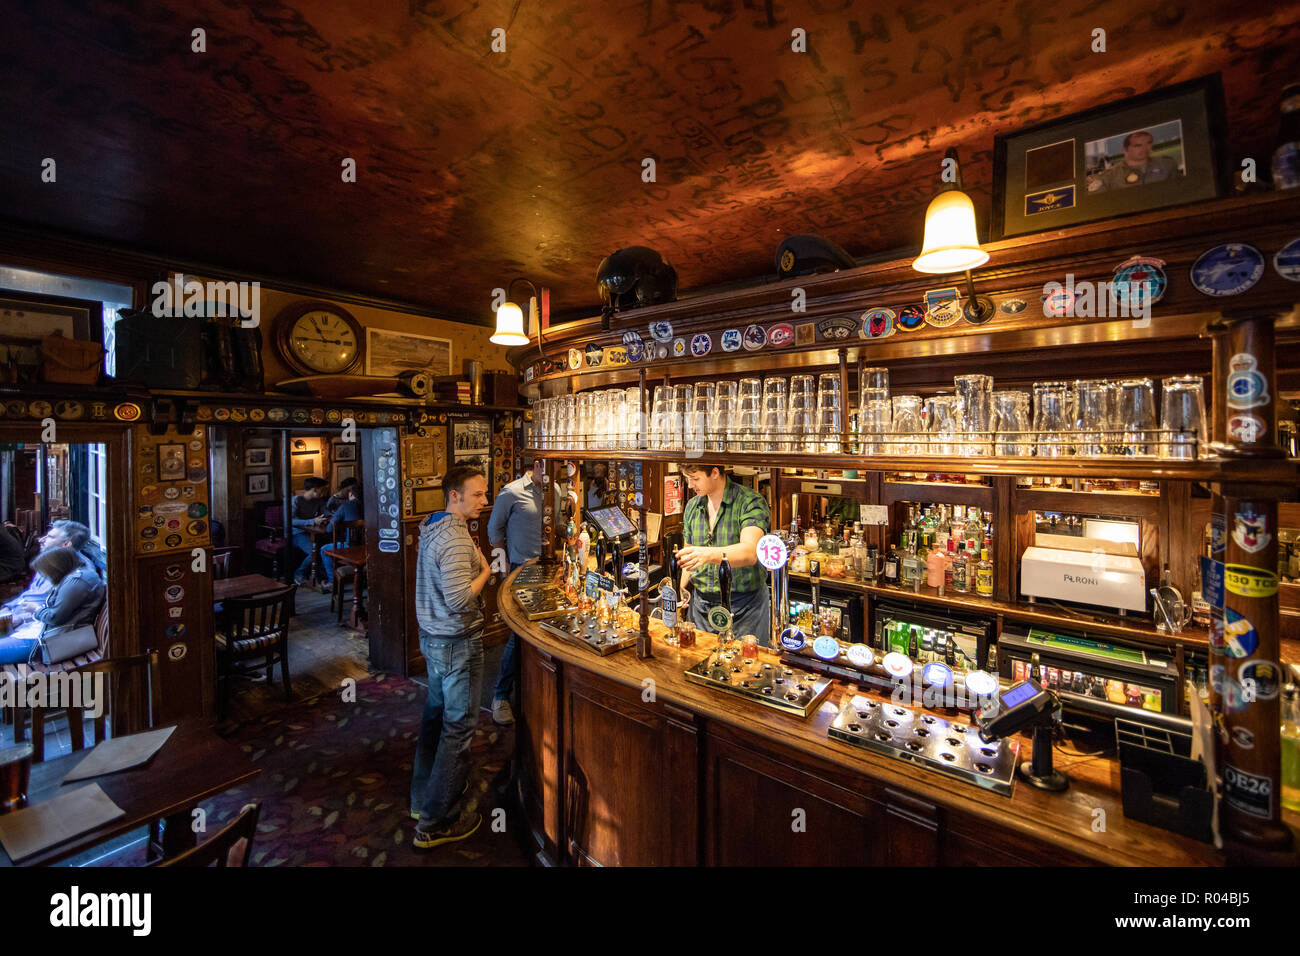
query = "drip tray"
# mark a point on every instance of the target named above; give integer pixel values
(538, 575)
(773, 685)
(949, 747)
(542, 602)
(587, 632)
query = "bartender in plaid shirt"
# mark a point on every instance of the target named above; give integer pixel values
(725, 519)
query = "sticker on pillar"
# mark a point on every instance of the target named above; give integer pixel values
(1250, 531)
(177, 652)
(1239, 636)
(1248, 792)
(754, 338)
(942, 307)
(1246, 428)
(1243, 738)
(731, 340)
(1243, 580)
(1234, 701)
(877, 324)
(1260, 680)
(701, 344)
(1217, 647)
(1229, 269)
(390, 547)
(1247, 387)
(1287, 261)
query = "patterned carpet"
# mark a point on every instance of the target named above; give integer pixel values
(335, 784)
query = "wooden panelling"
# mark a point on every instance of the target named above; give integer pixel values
(537, 746)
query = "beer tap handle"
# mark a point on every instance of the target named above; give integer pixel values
(814, 578)
(724, 582)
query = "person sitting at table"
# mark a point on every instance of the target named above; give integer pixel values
(75, 597)
(350, 510)
(72, 535)
(305, 512)
(340, 497)
(13, 562)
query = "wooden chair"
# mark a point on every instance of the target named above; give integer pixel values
(346, 534)
(254, 633)
(226, 562)
(114, 669)
(232, 846)
(271, 548)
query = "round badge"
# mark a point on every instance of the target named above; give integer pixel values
(1247, 386)
(910, 318)
(174, 593)
(197, 510)
(661, 351)
(780, 335)
(1260, 680)
(238, 415)
(176, 630)
(1141, 282)
(1239, 635)
(277, 415)
(1287, 261)
(197, 527)
(1058, 303)
(679, 347)
(196, 445)
(861, 655)
(159, 521)
(719, 618)
(177, 652)
(1233, 698)
(126, 412)
(257, 415)
(595, 355)
(172, 541)
(196, 474)
(772, 552)
(827, 648)
(150, 532)
(634, 344)
(174, 524)
(981, 683)
(731, 339)
(899, 665)
(754, 338)
(69, 409)
(15, 409)
(147, 546)
(222, 414)
(701, 344)
(40, 409)
(1013, 306)
(936, 674)
(1229, 269)
(171, 492)
(332, 415)
(792, 639)
(661, 331)
(173, 572)
(878, 323)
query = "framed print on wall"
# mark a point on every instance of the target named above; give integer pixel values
(392, 353)
(1163, 148)
(257, 484)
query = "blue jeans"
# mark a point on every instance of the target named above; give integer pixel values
(450, 716)
(17, 650)
(751, 614)
(327, 562)
(508, 676)
(302, 541)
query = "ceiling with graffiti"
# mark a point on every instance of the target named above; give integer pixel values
(499, 138)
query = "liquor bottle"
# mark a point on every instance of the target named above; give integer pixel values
(913, 643)
(1291, 748)
(1286, 154)
(668, 598)
(860, 553)
(934, 567)
(891, 565)
(949, 557)
(584, 551)
(984, 575)
(911, 567)
(961, 571)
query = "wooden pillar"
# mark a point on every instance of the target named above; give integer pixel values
(1247, 662)
(551, 534)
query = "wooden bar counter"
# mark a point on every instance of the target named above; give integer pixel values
(616, 770)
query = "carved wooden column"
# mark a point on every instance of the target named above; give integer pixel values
(1247, 662)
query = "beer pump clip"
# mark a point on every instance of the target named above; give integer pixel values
(1025, 705)
(720, 617)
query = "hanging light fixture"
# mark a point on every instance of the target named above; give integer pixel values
(952, 245)
(510, 329)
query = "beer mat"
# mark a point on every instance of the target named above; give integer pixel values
(70, 814)
(119, 753)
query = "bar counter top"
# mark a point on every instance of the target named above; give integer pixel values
(1066, 821)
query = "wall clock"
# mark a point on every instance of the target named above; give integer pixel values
(318, 338)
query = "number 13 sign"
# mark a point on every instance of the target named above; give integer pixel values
(772, 552)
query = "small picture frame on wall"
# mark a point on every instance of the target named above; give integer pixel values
(257, 484)
(257, 457)
(171, 462)
(343, 472)
(344, 451)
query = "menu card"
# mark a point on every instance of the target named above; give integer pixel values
(50, 823)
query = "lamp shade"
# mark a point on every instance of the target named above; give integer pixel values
(950, 241)
(510, 326)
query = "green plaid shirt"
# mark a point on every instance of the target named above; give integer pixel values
(740, 508)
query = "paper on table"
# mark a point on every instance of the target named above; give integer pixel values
(119, 753)
(37, 828)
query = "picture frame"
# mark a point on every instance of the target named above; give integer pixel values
(257, 457)
(27, 318)
(389, 352)
(341, 472)
(1161, 148)
(171, 462)
(344, 451)
(257, 484)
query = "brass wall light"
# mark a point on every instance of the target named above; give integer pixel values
(510, 329)
(951, 243)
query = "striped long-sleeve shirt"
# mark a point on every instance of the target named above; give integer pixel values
(445, 568)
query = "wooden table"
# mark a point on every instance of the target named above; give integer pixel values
(246, 585)
(191, 766)
(356, 557)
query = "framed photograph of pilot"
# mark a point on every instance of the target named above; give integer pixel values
(1162, 148)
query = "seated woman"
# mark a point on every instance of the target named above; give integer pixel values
(72, 602)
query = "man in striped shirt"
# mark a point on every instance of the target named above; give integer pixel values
(450, 574)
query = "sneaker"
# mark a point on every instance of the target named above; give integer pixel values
(459, 828)
(502, 714)
(415, 814)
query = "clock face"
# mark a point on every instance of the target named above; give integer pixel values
(323, 341)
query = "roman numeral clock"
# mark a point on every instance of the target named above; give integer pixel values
(318, 338)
